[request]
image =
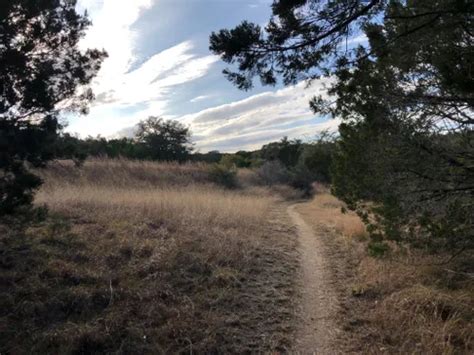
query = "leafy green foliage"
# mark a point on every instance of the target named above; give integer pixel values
(296, 163)
(235, 160)
(40, 67)
(378, 248)
(317, 156)
(286, 151)
(213, 156)
(223, 175)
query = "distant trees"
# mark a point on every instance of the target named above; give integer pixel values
(41, 69)
(155, 139)
(297, 163)
(286, 151)
(405, 156)
(164, 139)
(214, 156)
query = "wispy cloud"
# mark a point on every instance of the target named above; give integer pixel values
(116, 83)
(154, 78)
(254, 140)
(112, 31)
(249, 123)
(255, 120)
(200, 98)
(129, 87)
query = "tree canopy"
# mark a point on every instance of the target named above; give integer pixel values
(164, 139)
(406, 98)
(41, 71)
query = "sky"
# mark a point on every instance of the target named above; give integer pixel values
(159, 64)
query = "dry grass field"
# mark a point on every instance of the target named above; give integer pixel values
(140, 257)
(405, 303)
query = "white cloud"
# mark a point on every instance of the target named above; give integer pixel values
(259, 119)
(248, 123)
(154, 78)
(200, 98)
(254, 140)
(358, 39)
(112, 30)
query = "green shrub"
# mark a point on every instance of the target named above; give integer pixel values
(378, 249)
(223, 175)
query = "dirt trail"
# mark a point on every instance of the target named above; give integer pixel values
(317, 328)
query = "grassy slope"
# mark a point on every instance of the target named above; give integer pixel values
(144, 257)
(407, 302)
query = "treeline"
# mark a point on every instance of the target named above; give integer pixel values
(292, 162)
(154, 139)
(284, 162)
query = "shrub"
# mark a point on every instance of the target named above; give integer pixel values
(273, 172)
(231, 160)
(302, 178)
(378, 248)
(223, 175)
(317, 157)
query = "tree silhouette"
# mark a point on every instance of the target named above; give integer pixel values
(164, 139)
(42, 71)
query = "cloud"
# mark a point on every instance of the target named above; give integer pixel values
(251, 122)
(128, 87)
(362, 38)
(153, 79)
(248, 123)
(116, 82)
(254, 140)
(200, 98)
(112, 30)
(128, 132)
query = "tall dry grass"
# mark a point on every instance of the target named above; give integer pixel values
(125, 173)
(142, 257)
(405, 303)
(170, 192)
(205, 205)
(326, 211)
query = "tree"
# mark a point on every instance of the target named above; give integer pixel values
(71, 147)
(406, 98)
(316, 157)
(286, 151)
(164, 140)
(41, 69)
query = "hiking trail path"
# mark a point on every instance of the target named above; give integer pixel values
(316, 329)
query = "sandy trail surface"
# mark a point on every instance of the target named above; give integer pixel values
(317, 329)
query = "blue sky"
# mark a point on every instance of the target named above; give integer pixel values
(159, 64)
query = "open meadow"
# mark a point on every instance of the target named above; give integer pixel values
(147, 257)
